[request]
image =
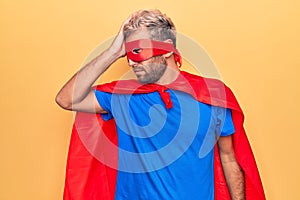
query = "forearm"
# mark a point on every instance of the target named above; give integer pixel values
(234, 178)
(76, 89)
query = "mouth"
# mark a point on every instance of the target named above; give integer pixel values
(138, 70)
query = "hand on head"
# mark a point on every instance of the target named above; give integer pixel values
(118, 45)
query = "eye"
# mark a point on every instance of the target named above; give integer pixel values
(136, 50)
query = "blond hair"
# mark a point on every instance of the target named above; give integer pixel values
(158, 24)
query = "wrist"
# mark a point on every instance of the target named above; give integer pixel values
(116, 54)
(111, 56)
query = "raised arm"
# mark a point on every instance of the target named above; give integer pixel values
(233, 173)
(77, 94)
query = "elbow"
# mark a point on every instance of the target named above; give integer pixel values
(63, 102)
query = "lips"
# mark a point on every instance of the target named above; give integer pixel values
(137, 69)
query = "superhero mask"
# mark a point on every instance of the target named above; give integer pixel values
(143, 49)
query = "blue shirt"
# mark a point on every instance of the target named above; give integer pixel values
(165, 153)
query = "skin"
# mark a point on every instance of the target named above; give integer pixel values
(77, 95)
(152, 72)
(234, 175)
(161, 69)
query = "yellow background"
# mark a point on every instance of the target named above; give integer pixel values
(255, 45)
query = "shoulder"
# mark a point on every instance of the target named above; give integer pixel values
(202, 80)
(212, 91)
(119, 86)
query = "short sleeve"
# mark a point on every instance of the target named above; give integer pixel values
(228, 126)
(104, 100)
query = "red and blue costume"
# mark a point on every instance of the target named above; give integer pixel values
(87, 177)
(93, 159)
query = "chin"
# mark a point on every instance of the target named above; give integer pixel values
(143, 81)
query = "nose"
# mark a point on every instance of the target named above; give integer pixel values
(132, 63)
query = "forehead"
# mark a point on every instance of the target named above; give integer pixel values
(138, 34)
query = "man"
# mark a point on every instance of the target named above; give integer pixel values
(158, 113)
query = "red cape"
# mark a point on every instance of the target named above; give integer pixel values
(88, 178)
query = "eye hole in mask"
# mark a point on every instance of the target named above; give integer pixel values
(137, 50)
(144, 49)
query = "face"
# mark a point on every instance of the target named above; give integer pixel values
(147, 71)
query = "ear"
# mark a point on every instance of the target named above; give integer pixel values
(169, 41)
(167, 55)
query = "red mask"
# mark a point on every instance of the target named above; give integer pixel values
(141, 50)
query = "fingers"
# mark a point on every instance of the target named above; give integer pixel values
(118, 46)
(128, 19)
(126, 22)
